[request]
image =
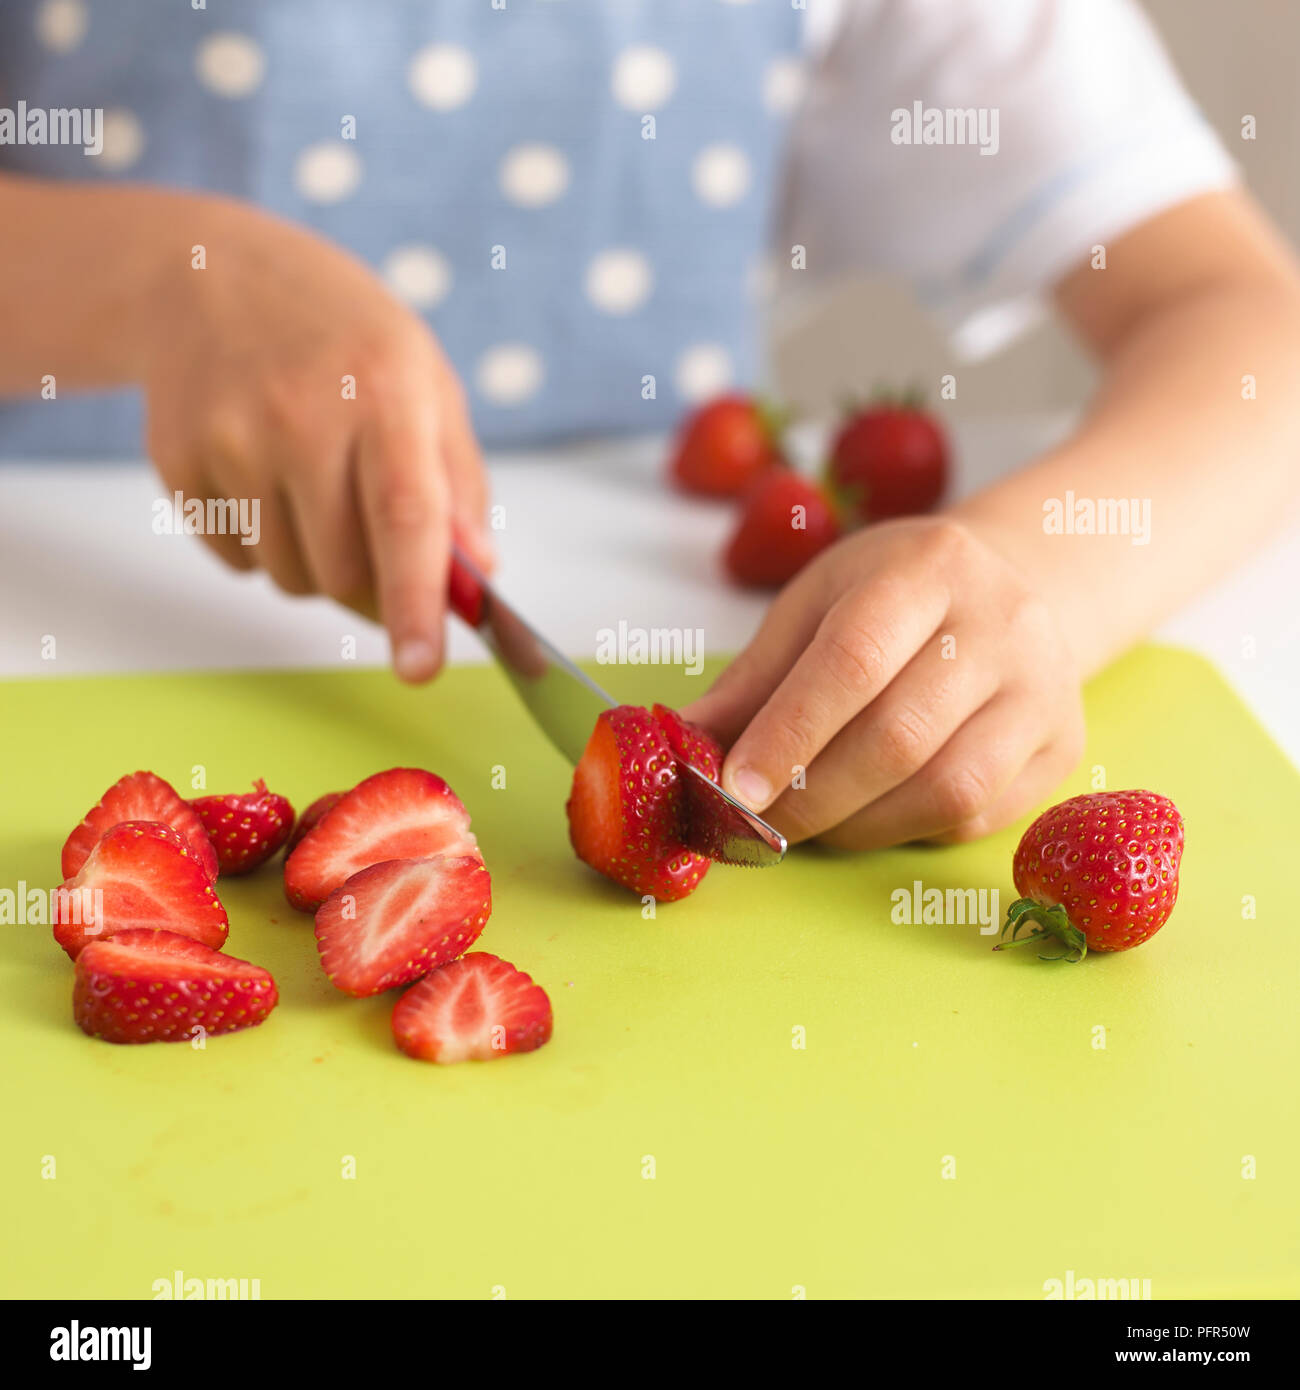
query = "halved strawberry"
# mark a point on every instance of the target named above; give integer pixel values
(311, 818)
(245, 828)
(477, 1008)
(404, 813)
(139, 796)
(140, 874)
(158, 986)
(627, 802)
(393, 922)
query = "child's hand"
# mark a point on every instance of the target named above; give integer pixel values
(246, 365)
(913, 674)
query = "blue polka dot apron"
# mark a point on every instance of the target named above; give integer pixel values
(575, 193)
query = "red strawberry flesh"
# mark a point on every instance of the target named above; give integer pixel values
(140, 796)
(474, 1009)
(312, 817)
(627, 803)
(393, 922)
(157, 986)
(404, 813)
(141, 875)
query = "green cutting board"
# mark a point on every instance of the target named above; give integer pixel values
(952, 1124)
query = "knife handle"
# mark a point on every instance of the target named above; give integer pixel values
(464, 591)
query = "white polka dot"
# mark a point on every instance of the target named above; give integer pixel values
(61, 24)
(720, 175)
(702, 371)
(328, 172)
(231, 65)
(418, 274)
(509, 374)
(619, 281)
(534, 175)
(123, 140)
(783, 84)
(644, 78)
(443, 76)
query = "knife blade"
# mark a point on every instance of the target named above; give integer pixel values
(565, 703)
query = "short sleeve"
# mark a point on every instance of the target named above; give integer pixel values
(980, 148)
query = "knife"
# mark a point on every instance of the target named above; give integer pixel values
(565, 703)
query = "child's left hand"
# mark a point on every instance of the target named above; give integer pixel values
(914, 679)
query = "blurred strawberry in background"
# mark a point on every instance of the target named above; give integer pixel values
(726, 444)
(785, 521)
(889, 459)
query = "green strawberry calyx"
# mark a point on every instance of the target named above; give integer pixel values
(1048, 922)
(774, 419)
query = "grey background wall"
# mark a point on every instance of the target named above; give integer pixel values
(1238, 57)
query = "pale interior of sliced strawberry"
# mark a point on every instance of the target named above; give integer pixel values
(470, 1010)
(162, 955)
(140, 874)
(403, 910)
(452, 1014)
(401, 814)
(140, 796)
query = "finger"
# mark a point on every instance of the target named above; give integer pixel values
(277, 549)
(754, 673)
(959, 784)
(229, 546)
(218, 473)
(860, 646)
(326, 513)
(1042, 774)
(896, 735)
(466, 474)
(405, 511)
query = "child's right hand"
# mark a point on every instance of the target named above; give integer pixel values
(246, 366)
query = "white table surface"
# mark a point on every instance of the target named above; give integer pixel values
(592, 536)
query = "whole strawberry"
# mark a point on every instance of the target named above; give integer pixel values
(726, 444)
(889, 459)
(785, 521)
(247, 829)
(1098, 872)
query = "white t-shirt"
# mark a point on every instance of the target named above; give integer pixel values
(1087, 128)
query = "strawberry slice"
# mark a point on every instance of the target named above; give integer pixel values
(627, 802)
(403, 813)
(478, 1007)
(396, 921)
(158, 986)
(312, 817)
(139, 796)
(245, 829)
(140, 874)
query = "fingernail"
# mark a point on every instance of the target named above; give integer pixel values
(415, 659)
(751, 787)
